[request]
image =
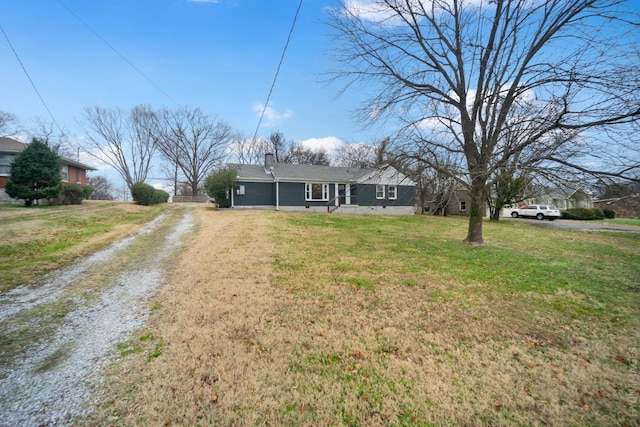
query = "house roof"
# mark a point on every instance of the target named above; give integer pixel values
(65, 161)
(11, 146)
(315, 173)
(8, 145)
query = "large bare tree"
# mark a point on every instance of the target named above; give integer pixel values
(124, 141)
(453, 74)
(194, 142)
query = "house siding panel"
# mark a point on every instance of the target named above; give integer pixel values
(256, 194)
(292, 194)
(367, 196)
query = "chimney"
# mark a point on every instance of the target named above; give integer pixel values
(269, 161)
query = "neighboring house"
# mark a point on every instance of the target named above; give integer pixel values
(460, 203)
(71, 172)
(290, 187)
(562, 199)
(624, 207)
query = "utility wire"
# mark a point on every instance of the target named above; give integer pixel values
(275, 77)
(30, 80)
(117, 52)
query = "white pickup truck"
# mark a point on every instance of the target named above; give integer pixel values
(540, 212)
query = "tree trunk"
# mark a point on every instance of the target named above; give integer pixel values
(476, 212)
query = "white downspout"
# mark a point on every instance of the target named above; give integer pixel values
(277, 188)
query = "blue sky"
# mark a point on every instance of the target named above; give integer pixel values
(220, 56)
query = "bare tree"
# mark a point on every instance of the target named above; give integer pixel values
(195, 142)
(55, 137)
(362, 155)
(278, 146)
(8, 124)
(125, 142)
(102, 189)
(301, 155)
(455, 73)
(252, 151)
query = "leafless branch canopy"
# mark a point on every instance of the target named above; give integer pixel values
(124, 141)
(192, 141)
(460, 77)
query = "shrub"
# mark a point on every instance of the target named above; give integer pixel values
(144, 194)
(74, 194)
(609, 214)
(583, 214)
(220, 184)
(161, 196)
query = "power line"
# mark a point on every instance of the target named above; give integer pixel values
(24, 69)
(275, 77)
(117, 52)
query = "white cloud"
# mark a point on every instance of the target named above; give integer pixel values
(376, 11)
(271, 114)
(368, 10)
(329, 144)
(204, 1)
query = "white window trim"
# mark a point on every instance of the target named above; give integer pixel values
(393, 195)
(462, 206)
(378, 186)
(308, 192)
(65, 173)
(5, 160)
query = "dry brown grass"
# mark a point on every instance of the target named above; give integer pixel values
(354, 344)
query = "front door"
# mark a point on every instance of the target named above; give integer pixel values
(344, 194)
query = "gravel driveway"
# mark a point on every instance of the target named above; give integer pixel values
(51, 383)
(566, 224)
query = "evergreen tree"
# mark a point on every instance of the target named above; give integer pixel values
(35, 174)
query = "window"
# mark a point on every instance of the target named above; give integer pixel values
(240, 190)
(65, 173)
(379, 191)
(318, 192)
(393, 192)
(5, 164)
(463, 206)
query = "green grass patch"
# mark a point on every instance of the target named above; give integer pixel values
(34, 241)
(367, 251)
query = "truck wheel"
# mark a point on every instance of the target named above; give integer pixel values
(540, 217)
(514, 214)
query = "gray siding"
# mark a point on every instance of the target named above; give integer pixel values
(255, 194)
(367, 196)
(293, 194)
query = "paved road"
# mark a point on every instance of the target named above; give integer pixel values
(581, 225)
